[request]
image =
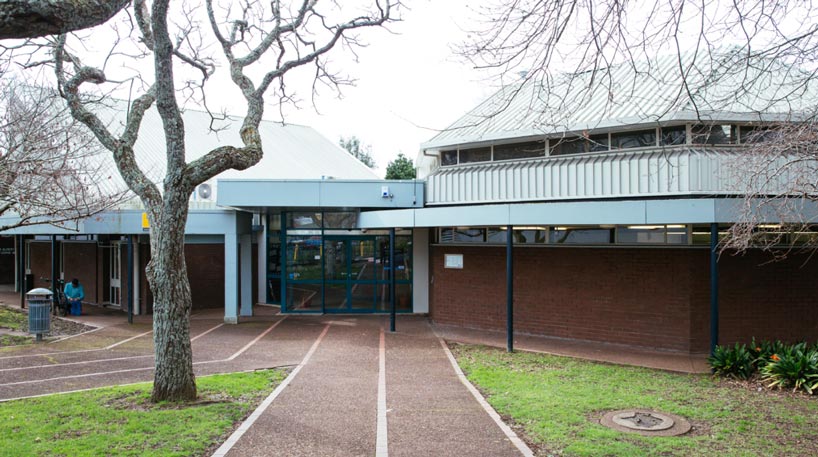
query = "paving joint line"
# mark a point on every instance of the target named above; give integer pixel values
(235, 436)
(382, 437)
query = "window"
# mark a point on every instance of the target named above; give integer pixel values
(497, 235)
(341, 219)
(565, 146)
(712, 134)
(634, 139)
(529, 235)
(475, 155)
(652, 234)
(580, 235)
(519, 150)
(469, 235)
(448, 158)
(755, 134)
(303, 220)
(672, 136)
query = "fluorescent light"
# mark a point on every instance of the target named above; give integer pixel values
(645, 227)
(529, 228)
(769, 226)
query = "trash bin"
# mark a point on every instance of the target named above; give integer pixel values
(39, 311)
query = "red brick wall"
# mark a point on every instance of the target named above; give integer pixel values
(80, 261)
(657, 298)
(205, 270)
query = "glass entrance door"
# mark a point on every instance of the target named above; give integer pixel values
(349, 274)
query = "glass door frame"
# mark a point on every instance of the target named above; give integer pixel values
(348, 281)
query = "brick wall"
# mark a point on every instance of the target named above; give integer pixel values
(657, 298)
(205, 270)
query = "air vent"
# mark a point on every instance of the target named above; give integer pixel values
(204, 191)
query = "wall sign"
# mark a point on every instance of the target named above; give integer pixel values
(453, 261)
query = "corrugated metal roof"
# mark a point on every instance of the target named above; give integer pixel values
(290, 151)
(718, 86)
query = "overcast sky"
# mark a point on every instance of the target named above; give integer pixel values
(408, 83)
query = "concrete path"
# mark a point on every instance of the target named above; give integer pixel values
(331, 405)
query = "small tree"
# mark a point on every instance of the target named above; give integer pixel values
(51, 168)
(360, 152)
(401, 168)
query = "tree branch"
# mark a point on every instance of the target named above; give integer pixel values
(36, 18)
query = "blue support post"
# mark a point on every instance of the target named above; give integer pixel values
(130, 279)
(392, 268)
(510, 288)
(714, 287)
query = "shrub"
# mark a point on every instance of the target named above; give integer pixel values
(762, 351)
(736, 361)
(795, 366)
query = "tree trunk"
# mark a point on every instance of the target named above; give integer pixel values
(167, 274)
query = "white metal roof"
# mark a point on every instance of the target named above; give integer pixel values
(720, 86)
(290, 151)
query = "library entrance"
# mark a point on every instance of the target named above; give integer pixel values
(341, 273)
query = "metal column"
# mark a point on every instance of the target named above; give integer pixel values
(130, 279)
(54, 286)
(510, 288)
(714, 287)
(392, 268)
(21, 276)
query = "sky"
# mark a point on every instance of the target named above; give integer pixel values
(409, 84)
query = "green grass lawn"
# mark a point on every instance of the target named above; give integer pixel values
(558, 401)
(121, 420)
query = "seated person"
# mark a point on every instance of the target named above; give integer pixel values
(74, 293)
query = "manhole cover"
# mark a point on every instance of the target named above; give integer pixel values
(646, 422)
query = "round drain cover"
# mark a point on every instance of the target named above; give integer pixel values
(646, 422)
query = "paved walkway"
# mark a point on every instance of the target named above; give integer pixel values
(355, 389)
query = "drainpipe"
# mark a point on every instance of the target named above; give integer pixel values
(510, 288)
(714, 287)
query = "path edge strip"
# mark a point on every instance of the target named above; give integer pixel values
(234, 438)
(515, 440)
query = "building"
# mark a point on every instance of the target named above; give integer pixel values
(603, 206)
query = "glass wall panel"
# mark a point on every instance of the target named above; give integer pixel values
(672, 136)
(571, 235)
(335, 260)
(362, 260)
(529, 236)
(448, 158)
(677, 234)
(564, 146)
(712, 134)
(635, 139)
(304, 297)
(335, 297)
(304, 220)
(640, 235)
(304, 257)
(519, 150)
(475, 155)
(403, 297)
(363, 296)
(340, 219)
(469, 235)
(496, 235)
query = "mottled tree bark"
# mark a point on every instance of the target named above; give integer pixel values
(167, 275)
(36, 18)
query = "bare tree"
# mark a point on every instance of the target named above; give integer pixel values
(32, 19)
(565, 62)
(50, 167)
(259, 44)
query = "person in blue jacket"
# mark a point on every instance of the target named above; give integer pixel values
(74, 293)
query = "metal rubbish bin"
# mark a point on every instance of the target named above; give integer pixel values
(39, 311)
